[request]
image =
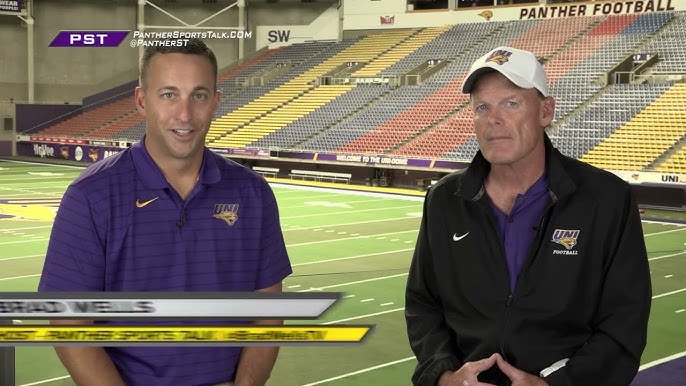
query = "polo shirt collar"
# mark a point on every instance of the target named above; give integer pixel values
(151, 176)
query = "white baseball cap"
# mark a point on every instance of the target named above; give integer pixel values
(521, 67)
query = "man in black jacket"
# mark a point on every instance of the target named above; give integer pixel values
(530, 267)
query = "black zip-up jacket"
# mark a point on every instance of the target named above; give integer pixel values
(589, 302)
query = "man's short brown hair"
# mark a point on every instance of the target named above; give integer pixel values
(193, 46)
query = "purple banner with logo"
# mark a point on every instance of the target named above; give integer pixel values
(371, 160)
(248, 152)
(81, 153)
(98, 150)
(88, 38)
(10, 6)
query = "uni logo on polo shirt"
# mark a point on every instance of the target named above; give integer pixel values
(226, 212)
(566, 238)
(500, 56)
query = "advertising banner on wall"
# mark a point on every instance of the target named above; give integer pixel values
(325, 27)
(10, 6)
(96, 151)
(80, 153)
(652, 178)
(393, 14)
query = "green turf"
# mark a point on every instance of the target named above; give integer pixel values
(666, 214)
(358, 245)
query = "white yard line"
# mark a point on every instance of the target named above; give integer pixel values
(666, 256)
(28, 228)
(19, 277)
(362, 371)
(22, 241)
(21, 257)
(44, 164)
(663, 223)
(350, 238)
(663, 232)
(669, 293)
(353, 257)
(45, 381)
(352, 282)
(336, 202)
(364, 316)
(661, 361)
(349, 212)
(348, 192)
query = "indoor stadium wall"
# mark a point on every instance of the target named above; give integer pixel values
(385, 137)
(429, 120)
(69, 74)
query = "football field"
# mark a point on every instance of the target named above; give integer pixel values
(358, 244)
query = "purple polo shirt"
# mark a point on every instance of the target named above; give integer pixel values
(122, 227)
(518, 230)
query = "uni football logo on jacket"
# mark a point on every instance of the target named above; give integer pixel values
(567, 238)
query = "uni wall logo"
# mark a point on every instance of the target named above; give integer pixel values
(88, 38)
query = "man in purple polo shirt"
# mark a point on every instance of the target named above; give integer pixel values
(167, 214)
(530, 267)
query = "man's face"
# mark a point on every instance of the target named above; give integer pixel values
(178, 101)
(509, 121)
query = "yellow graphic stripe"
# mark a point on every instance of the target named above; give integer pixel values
(182, 334)
(30, 212)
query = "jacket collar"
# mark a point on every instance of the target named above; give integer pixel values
(471, 186)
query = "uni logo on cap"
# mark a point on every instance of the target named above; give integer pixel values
(499, 56)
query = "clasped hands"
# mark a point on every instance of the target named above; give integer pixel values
(467, 374)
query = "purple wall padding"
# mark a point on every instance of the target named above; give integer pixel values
(36, 116)
(106, 96)
(5, 147)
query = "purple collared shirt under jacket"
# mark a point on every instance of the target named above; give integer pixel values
(518, 230)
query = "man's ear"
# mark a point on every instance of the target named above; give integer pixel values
(139, 100)
(217, 97)
(547, 111)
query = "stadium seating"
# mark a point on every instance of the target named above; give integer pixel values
(636, 126)
(615, 107)
(398, 52)
(269, 123)
(89, 119)
(671, 60)
(437, 141)
(651, 132)
(119, 118)
(675, 162)
(229, 125)
(298, 131)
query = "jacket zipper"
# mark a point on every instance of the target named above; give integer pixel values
(532, 253)
(510, 296)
